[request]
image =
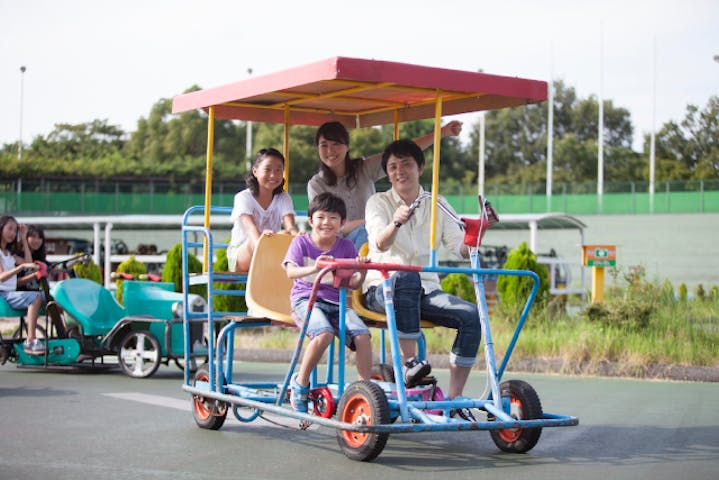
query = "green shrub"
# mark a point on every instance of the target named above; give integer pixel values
(714, 293)
(132, 267)
(666, 293)
(88, 270)
(173, 270)
(513, 290)
(459, 285)
(683, 292)
(630, 306)
(227, 303)
(700, 293)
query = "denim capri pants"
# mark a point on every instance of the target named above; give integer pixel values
(325, 319)
(21, 299)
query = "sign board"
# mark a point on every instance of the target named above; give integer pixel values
(599, 255)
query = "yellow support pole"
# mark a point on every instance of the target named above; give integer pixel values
(435, 179)
(396, 125)
(286, 148)
(597, 284)
(208, 182)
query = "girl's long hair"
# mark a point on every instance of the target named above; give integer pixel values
(12, 246)
(251, 180)
(40, 254)
(336, 132)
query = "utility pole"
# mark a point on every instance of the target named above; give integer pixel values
(19, 143)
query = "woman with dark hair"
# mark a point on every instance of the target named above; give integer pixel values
(352, 179)
(36, 244)
(261, 209)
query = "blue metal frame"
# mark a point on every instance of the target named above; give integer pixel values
(411, 408)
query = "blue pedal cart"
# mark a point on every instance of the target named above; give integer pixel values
(364, 414)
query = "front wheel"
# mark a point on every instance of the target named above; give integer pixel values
(363, 403)
(524, 404)
(208, 413)
(139, 354)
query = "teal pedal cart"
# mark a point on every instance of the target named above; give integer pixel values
(144, 333)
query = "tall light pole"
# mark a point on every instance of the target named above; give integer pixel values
(248, 145)
(19, 142)
(550, 129)
(600, 133)
(652, 147)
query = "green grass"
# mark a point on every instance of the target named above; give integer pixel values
(640, 324)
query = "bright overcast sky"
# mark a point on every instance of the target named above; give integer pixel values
(95, 59)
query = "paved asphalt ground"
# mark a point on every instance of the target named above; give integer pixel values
(70, 425)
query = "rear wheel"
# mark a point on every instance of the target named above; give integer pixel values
(208, 413)
(524, 404)
(195, 362)
(383, 372)
(363, 403)
(139, 354)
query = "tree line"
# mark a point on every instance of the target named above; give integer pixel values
(174, 146)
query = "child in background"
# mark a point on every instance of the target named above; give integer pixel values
(327, 214)
(36, 243)
(262, 209)
(11, 265)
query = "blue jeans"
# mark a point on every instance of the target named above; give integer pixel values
(411, 303)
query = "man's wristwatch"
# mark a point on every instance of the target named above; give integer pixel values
(397, 224)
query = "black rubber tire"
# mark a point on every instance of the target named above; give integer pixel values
(139, 354)
(383, 372)
(363, 403)
(525, 405)
(208, 413)
(195, 363)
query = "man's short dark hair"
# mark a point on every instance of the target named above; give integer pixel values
(403, 148)
(328, 203)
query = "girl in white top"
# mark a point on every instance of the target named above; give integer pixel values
(11, 265)
(262, 209)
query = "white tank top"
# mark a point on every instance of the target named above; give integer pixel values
(8, 263)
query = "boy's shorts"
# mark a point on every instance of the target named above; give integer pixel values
(20, 300)
(325, 319)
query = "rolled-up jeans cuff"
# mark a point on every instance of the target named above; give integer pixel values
(456, 360)
(409, 336)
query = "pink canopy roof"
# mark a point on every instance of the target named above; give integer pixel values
(360, 93)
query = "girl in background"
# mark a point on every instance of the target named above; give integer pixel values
(36, 243)
(12, 264)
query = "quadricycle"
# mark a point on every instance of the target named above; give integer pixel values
(357, 93)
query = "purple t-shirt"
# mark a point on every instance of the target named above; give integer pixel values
(303, 252)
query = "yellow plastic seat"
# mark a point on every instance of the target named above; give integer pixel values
(268, 287)
(358, 304)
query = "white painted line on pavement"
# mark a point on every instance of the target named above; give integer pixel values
(158, 400)
(185, 405)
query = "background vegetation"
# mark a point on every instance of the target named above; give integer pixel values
(173, 146)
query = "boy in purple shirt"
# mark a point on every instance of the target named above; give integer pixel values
(327, 213)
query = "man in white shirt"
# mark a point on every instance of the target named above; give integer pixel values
(399, 235)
